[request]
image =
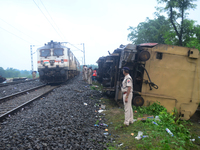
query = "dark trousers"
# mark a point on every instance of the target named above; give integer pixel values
(93, 78)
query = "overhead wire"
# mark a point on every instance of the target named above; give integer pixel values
(19, 30)
(56, 24)
(47, 19)
(52, 18)
(15, 35)
(75, 46)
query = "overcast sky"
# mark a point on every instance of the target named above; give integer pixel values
(100, 24)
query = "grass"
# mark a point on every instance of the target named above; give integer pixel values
(96, 86)
(158, 138)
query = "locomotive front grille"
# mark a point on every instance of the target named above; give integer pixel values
(52, 62)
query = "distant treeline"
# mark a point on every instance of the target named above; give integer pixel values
(13, 73)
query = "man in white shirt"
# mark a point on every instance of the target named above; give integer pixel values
(127, 89)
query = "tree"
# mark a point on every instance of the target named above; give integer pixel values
(191, 35)
(176, 10)
(25, 73)
(13, 73)
(150, 31)
(2, 72)
(194, 41)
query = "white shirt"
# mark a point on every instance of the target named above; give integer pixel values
(126, 83)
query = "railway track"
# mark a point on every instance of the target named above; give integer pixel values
(15, 102)
(16, 82)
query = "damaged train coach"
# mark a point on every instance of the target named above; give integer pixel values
(164, 73)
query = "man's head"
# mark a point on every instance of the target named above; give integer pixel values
(126, 70)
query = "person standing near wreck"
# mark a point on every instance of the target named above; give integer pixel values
(34, 74)
(90, 76)
(127, 89)
(85, 72)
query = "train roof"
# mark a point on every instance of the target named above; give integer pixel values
(52, 44)
(148, 44)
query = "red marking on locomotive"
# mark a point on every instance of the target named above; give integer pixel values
(65, 60)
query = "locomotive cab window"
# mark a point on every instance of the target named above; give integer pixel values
(45, 52)
(58, 52)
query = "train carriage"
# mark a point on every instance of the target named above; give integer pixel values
(165, 73)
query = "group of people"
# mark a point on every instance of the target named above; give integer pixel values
(88, 74)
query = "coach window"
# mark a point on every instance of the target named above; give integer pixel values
(159, 55)
(58, 52)
(45, 52)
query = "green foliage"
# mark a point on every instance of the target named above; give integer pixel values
(153, 109)
(11, 73)
(167, 120)
(93, 88)
(191, 35)
(150, 31)
(111, 148)
(97, 122)
(194, 40)
(194, 43)
(177, 29)
(158, 138)
(177, 15)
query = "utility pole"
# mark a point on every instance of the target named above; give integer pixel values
(84, 52)
(31, 56)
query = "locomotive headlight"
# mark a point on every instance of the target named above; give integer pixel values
(62, 61)
(41, 62)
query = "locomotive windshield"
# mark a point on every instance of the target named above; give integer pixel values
(45, 52)
(58, 52)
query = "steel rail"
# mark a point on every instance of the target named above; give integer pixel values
(13, 111)
(15, 82)
(3, 99)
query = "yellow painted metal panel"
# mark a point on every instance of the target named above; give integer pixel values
(177, 76)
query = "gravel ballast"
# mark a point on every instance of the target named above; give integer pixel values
(11, 89)
(60, 120)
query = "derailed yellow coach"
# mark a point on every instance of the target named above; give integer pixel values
(164, 73)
